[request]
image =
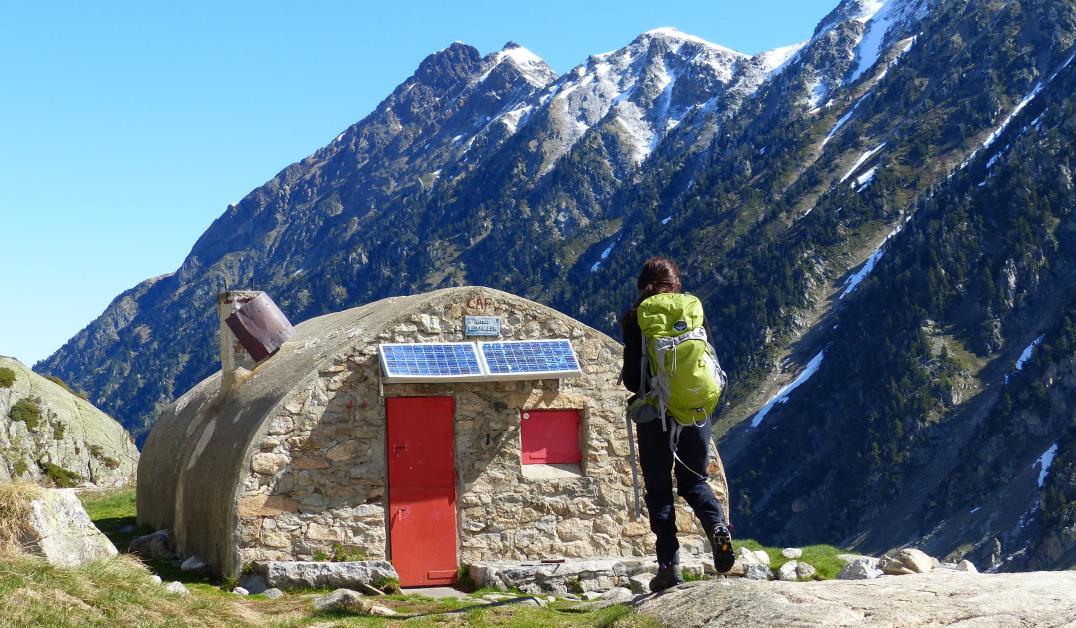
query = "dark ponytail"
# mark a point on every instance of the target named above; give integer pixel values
(659, 274)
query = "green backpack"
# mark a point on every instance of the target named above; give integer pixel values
(680, 369)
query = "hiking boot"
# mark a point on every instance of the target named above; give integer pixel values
(669, 575)
(721, 542)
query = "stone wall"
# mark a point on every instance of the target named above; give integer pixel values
(319, 476)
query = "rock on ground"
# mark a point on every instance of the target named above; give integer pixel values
(792, 552)
(344, 600)
(154, 546)
(617, 595)
(805, 570)
(906, 561)
(860, 568)
(273, 594)
(585, 574)
(939, 598)
(757, 571)
(640, 582)
(59, 530)
(754, 556)
(193, 564)
(787, 571)
(253, 583)
(322, 575)
(176, 588)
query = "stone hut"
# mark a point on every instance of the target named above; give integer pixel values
(295, 458)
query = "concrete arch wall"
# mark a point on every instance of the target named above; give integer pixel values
(198, 454)
(292, 460)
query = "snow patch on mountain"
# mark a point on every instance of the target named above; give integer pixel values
(816, 94)
(515, 118)
(868, 9)
(1025, 355)
(671, 32)
(605, 254)
(531, 67)
(844, 119)
(862, 160)
(996, 133)
(641, 135)
(879, 18)
(782, 395)
(870, 47)
(857, 278)
(776, 60)
(1044, 461)
(865, 179)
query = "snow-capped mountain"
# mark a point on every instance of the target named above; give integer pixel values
(640, 91)
(878, 220)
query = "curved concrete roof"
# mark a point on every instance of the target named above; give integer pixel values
(193, 463)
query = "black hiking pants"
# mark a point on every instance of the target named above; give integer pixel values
(656, 460)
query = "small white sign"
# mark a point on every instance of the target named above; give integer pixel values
(482, 325)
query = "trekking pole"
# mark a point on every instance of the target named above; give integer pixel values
(634, 475)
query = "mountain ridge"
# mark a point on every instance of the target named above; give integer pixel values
(773, 179)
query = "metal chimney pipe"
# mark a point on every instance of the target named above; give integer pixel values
(232, 355)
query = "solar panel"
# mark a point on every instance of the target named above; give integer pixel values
(530, 359)
(430, 362)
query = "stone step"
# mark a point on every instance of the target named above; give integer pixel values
(575, 575)
(295, 574)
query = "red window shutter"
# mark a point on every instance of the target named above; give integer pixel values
(550, 436)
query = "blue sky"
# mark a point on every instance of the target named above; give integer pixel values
(127, 127)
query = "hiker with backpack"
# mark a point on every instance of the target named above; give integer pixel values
(671, 367)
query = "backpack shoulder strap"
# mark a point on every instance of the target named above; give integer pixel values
(644, 371)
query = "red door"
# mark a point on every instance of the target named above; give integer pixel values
(422, 489)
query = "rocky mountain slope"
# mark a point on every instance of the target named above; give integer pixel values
(876, 219)
(48, 434)
(926, 410)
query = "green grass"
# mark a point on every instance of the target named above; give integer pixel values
(7, 377)
(822, 557)
(113, 512)
(105, 593)
(27, 411)
(111, 592)
(61, 477)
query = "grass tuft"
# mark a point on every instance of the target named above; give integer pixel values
(27, 411)
(61, 477)
(822, 557)
(15, 506)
